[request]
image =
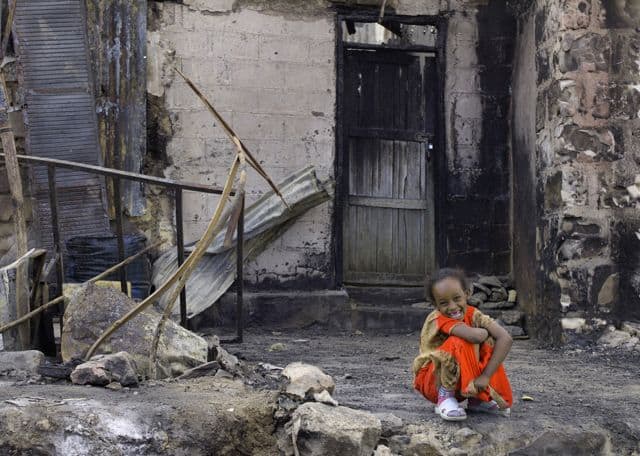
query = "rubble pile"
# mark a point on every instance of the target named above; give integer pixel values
(497, 299)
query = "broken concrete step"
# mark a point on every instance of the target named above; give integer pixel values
(392, 320)
(386, 296)
(280, 310)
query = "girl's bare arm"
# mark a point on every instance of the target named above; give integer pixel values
(500, 351)
(473, 335)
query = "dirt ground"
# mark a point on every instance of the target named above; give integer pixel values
(573, 388)
(585, 402)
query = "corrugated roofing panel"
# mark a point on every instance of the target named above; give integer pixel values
(51, 43)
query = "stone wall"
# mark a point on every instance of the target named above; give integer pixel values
(585, 162)
(269, 68)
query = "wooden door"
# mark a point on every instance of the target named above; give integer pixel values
(389, 113)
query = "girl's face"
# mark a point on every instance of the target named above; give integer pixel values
(450, 298)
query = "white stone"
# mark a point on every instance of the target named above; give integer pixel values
(305, 379)
(325, 398)
(573, 324)
(382, 450)
(633, 191)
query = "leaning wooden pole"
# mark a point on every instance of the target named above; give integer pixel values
(183, 270)
(15, 186)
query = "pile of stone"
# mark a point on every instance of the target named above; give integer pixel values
(495, 298)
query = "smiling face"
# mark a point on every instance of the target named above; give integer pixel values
(450, 297)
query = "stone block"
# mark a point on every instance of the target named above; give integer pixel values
(589, 144)
(625, 55)
(624, 100)
(573, 188)
(575, 14)
(102, 370)
(588, 52)
(608, 293)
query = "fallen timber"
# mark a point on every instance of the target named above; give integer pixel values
(265, 220)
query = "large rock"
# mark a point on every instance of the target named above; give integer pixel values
(92, 309)
(20, 362)
(104, 369)
(321, 430)
(307, 379)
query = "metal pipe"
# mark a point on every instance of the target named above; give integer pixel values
(55, 227)
(117, 203)
(240, 274)
(93, 169)
(180, 245)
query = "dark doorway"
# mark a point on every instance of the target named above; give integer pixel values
(388, 111)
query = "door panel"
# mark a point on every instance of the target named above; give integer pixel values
(388, 216)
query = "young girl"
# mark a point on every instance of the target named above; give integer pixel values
(461, 353)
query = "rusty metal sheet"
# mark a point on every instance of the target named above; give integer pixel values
(51, 43)
(117, 46)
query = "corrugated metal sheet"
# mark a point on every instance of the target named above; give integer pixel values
(265, 220)
(51, 43)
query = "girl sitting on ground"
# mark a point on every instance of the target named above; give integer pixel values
(461, 353)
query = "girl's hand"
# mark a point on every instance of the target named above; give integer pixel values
(481, 382)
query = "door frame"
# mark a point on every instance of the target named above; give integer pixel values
(438, 158)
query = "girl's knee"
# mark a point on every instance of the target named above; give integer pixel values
(459, 342)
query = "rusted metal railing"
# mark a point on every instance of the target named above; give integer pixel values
(116, 176)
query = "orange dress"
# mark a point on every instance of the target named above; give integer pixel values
(454, 362)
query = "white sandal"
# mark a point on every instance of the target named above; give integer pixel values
(449, 405)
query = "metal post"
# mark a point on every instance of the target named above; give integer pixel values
(55, 226)
(180, 245)
(239, 273)
(117, 204)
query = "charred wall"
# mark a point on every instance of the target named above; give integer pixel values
(584, 163)
(479, 68)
